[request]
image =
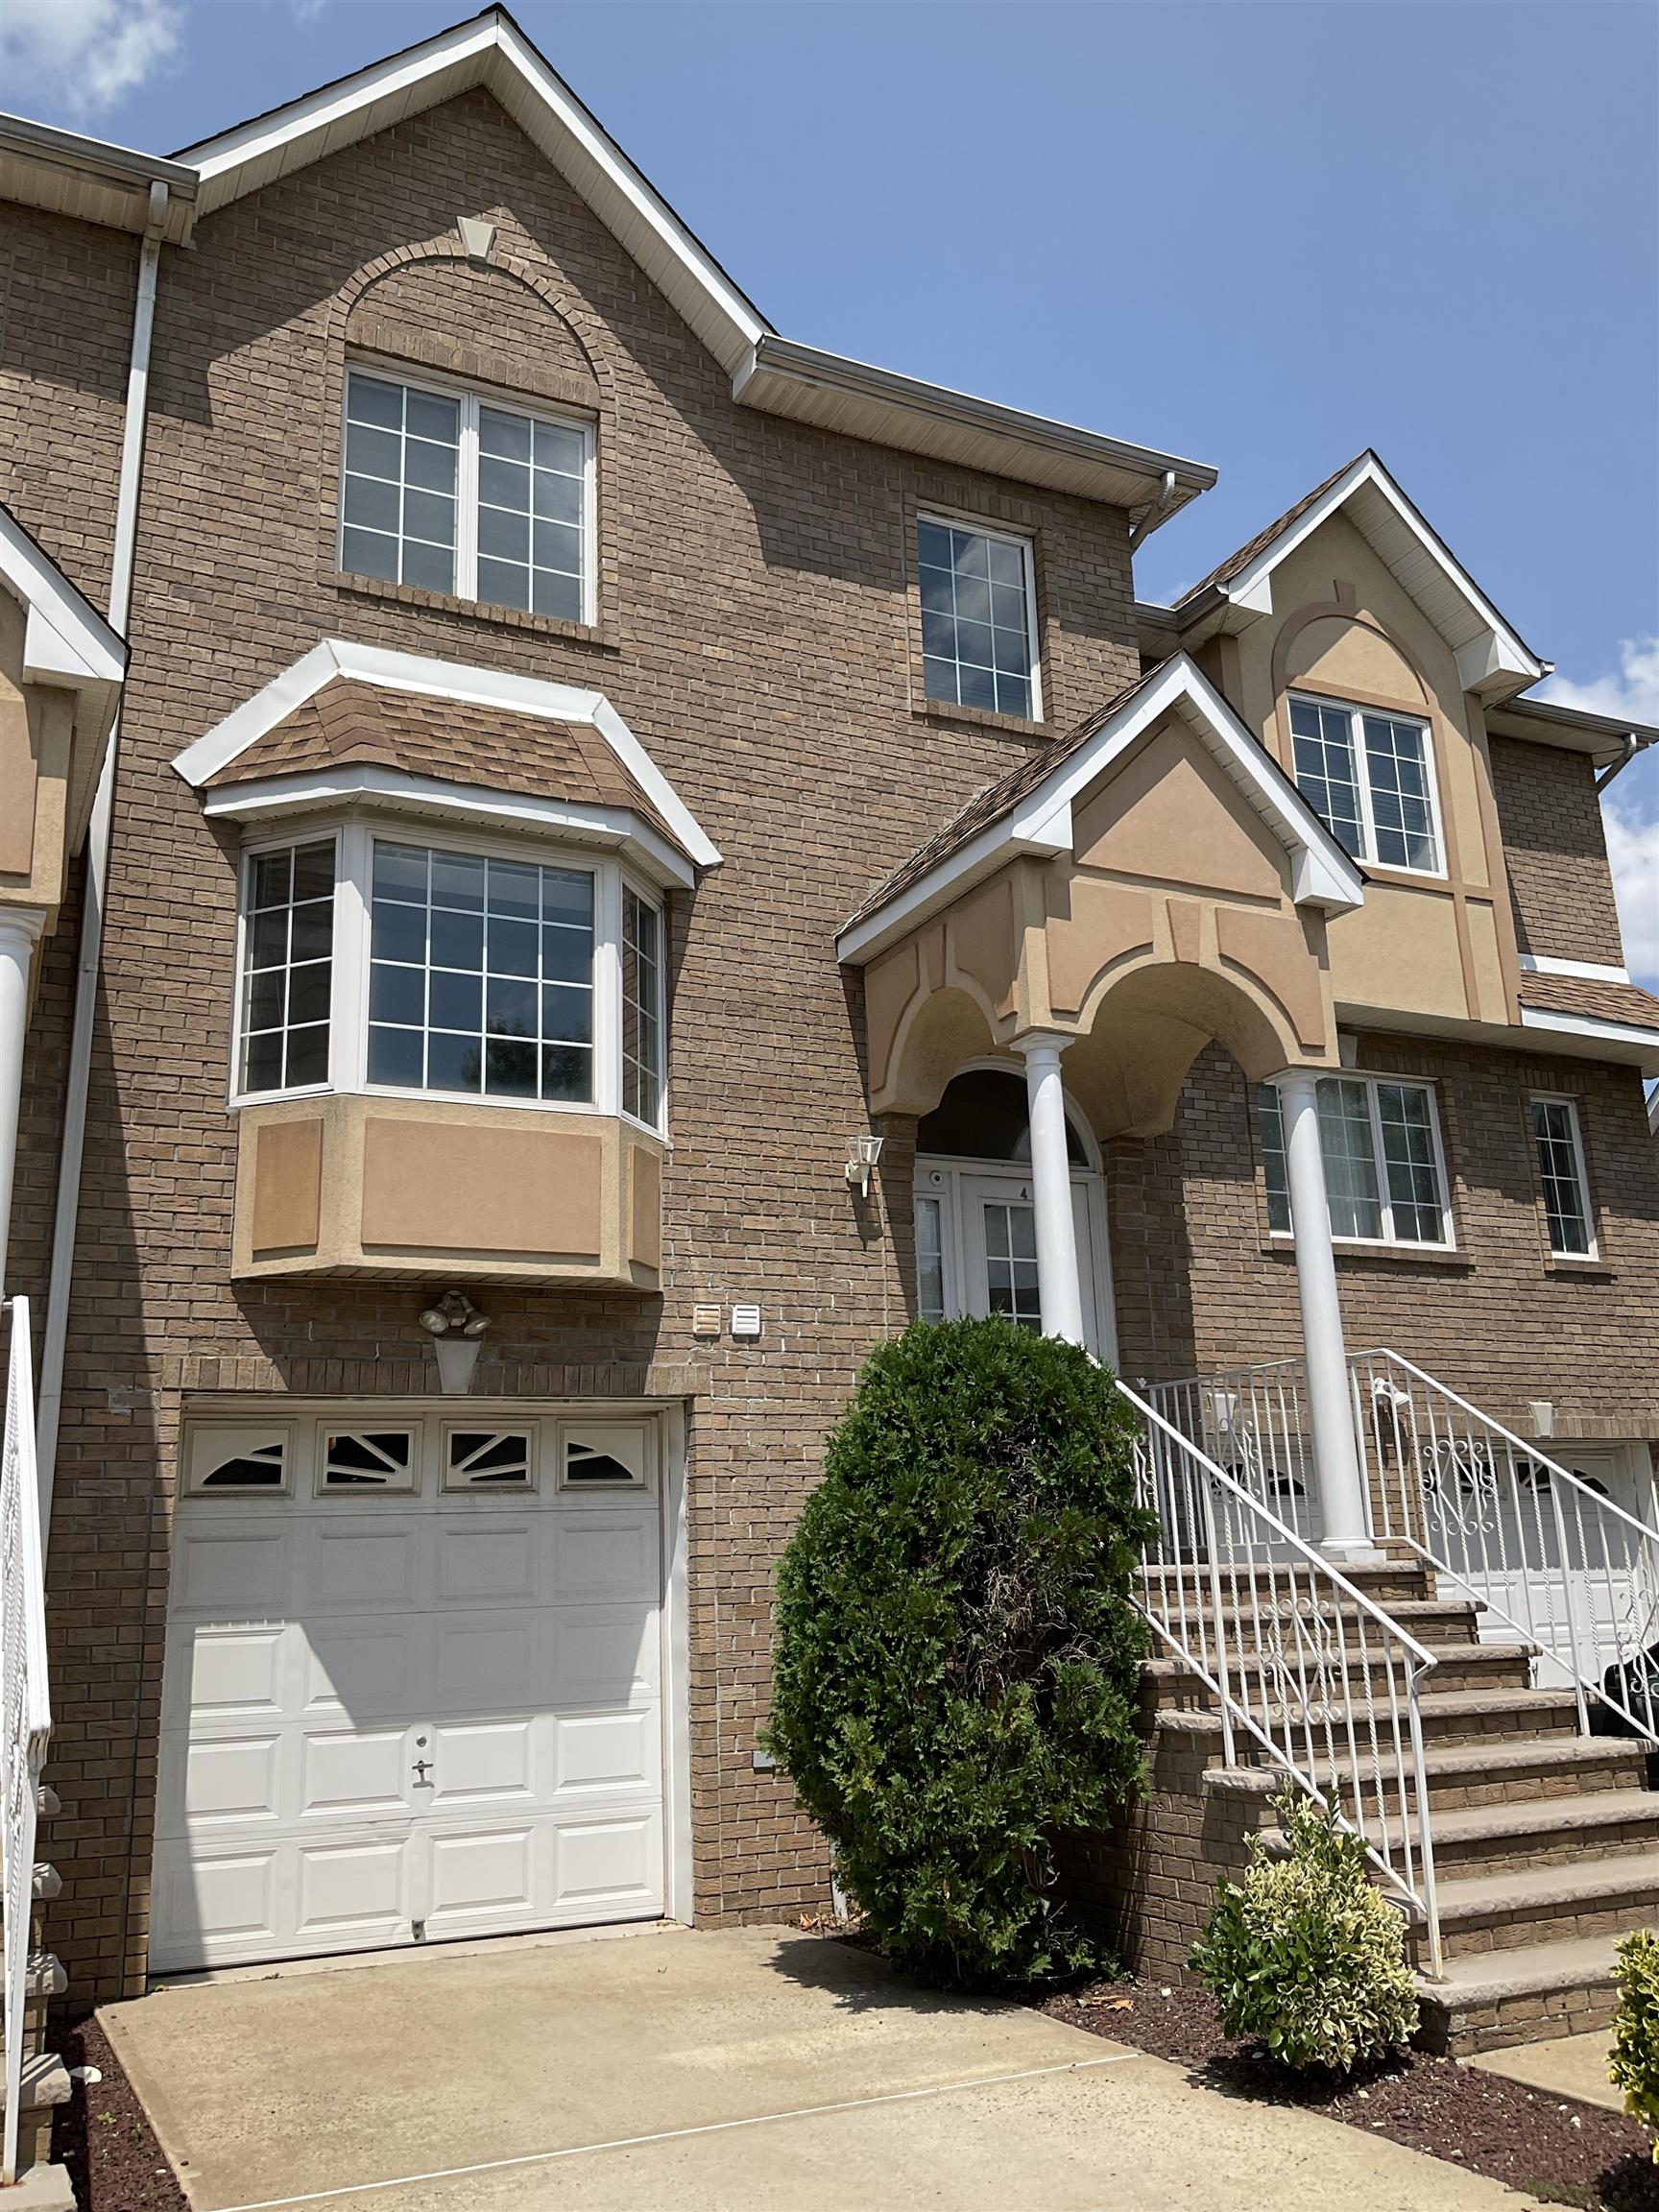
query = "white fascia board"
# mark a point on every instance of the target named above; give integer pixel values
(387, 671)
(993, 849)
(274, 797)
(1586, 970)
(488, 51)
(1593, 1029)
(65, 640)
(1498, 653)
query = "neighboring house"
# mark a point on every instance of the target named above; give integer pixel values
(586, 763)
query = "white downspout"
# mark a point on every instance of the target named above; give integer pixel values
(94, 888)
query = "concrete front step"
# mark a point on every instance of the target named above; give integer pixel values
(47, 2082)
(1432, 1621)
(1393, 1583)
(1496, 1915)
(1553, 1831)
(1522, 1996)
(44, 1975)
(1512, 1771)
(1457, 1667)
(1482, 1716)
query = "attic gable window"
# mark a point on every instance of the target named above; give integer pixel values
(979, 619)
(1370, 778)
(455, 493)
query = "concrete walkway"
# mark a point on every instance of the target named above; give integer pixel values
(1566, 2066)
(748, 2071)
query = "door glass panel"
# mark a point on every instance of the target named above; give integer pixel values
(930, 1260)
(1011, 1264)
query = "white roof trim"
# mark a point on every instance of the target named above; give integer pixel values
(1322, 874)
(66, 641)
(1591, 1026)
(616, 828)
(1490, 655)
(490, 51)
(390, 671)
(1587, 971)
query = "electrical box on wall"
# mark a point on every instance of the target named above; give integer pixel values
(746, 1321)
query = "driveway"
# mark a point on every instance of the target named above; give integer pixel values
(742, 2071)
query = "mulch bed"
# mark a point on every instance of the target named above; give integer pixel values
(105, 2138)
(1553, 2149)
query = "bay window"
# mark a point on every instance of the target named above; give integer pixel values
(374, 960)
(1384, 1172)
(1369, 776)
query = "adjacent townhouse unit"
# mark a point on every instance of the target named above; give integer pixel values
(568, 864)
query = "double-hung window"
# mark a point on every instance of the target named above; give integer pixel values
(1369, 776)
(451, 969)
(979, 619)
(462, 496)
(1559, 1145)
(1385, 1173)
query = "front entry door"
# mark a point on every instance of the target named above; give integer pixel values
(1000, 1239)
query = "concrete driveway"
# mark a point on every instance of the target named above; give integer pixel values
(735, 2072)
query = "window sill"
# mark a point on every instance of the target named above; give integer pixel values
(979, 718)
(1596, 1270)
(1390, 1255)
(597, 633)
(1414, 878)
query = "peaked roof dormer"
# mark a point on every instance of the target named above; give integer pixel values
(1030, 810)
(1493, 659)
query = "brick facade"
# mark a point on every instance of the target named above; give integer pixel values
(1561, 887)
(757, 629)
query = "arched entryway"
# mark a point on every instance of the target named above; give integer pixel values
(976, 1207)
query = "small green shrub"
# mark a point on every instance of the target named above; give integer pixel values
(957, 1667)
(1634, 2066)
(1305, 1954)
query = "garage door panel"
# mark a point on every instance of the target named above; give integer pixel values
(232, 1574)
(605, 1555)
(354, 1772)
(412, 1715)
(608, 1750)
(362, 1563)
(491, 1759)
(604, 1654)
(480, 1562)
(368, 1670)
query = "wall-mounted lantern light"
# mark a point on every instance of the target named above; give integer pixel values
(862, 1154)
(455, 1325)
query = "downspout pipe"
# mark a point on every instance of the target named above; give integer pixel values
(1634, 743)
(1152, 516)
(96, 876)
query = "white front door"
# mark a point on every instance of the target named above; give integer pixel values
(976, 1239)
(414, 1681)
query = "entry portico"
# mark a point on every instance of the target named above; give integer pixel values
(1093, 921)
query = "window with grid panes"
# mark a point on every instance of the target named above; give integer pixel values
(287, 967)
(1383, 1180)
(977, 623)
(1560, 1151)
(1368, 776)
(641, 1008)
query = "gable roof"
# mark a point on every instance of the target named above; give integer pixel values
(406, 727)
(1029, 810)
(1493, 659)
(769, 373)
(67, 641)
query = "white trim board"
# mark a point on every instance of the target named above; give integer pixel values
(1322, 874)
(66, 641)
(1586, 970)
(1491, 656)
(391, 671)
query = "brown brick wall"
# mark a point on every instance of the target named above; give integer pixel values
(754, 637)
(1561, 887)
(1495, 1320)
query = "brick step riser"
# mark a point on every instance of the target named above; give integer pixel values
(1455, 1860)
(1444, 1731)
(1475, 1672)
(1461, 2033)
(1498, 1937)
(1385, 1587)
(1465, 1792)
(1446, 1625)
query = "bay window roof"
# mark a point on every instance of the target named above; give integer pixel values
(354, 723)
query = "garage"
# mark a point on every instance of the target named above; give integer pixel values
(414, 1681)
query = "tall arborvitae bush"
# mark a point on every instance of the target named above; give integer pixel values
(956, 1662)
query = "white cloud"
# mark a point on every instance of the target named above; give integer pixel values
(1633, 848)
(1634, 691)
(84, 54)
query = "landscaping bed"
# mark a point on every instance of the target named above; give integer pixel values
(1551, 2148)
(105, 2138)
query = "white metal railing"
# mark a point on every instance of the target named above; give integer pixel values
(1548, 1552)
(1253, 1422)
(24, 1697)
(1299, 1659)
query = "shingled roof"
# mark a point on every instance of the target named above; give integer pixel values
(1237, 563)
(1589, 996)
(450, 740)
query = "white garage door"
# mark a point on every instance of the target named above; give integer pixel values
(413, 1684)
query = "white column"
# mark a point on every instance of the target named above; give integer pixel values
(1058, 1286)
(1330, 1404)
(19, 928)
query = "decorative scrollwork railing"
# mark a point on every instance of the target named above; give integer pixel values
(1547, 1551)
(23, 1694)
(1300, 1661)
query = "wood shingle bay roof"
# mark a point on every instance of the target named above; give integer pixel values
(1593, 996)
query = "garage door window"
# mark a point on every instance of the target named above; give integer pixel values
(368, 1459)
(612, 1456)
(239, 1460)
(481, 1458)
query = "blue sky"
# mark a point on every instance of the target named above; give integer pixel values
(1262, 234)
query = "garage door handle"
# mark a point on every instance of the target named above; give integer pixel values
(422, 1767)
